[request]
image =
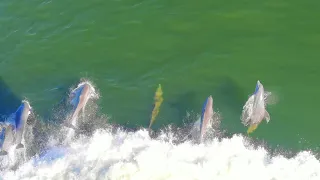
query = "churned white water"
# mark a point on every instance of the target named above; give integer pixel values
(123, 155)
(136, 156)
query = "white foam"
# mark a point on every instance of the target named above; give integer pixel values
(135, 156)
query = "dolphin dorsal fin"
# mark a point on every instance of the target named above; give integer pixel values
(266, 116)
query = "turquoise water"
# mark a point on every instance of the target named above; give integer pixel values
(192, 48)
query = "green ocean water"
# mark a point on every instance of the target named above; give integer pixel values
(192, 48)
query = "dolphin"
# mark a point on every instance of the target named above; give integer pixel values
(79, 98)
(13, 128)
(200, 127)
(158, 99)
(21, 117)
(255, 109)
(6, 139)
(206, 116)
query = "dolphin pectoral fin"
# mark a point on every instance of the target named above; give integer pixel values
(19, 146)
(68, 125)
(83, 111)
(252, 128)
(266, 116)
(3, 153)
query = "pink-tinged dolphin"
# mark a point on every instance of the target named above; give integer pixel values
(254, 110)
(206, 116)
(200, 127)
(79, 98)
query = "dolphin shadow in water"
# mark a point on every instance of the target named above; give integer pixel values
(8, 101)
(229, 99)
(49, 123)
(8, 105)
(185, 102)
(60, 110)
(87, 123)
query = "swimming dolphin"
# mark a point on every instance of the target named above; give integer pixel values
(6, 139)
(21, 117)
(200, 127)
(158, 99)
(79, 98)
(255, 109)
(206, 116)
(13, 128)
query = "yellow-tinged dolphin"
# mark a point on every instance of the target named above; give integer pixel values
(157, 102)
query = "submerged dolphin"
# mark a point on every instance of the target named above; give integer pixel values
(158, 99)
(255, 109)
(13, 128)
(79, 98)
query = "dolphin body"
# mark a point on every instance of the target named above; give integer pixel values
(199, 128)
(255, 109)
(79, 98)
(13, 128)
(206, 116)
(6, 139)
(22, 115)
(158, 99)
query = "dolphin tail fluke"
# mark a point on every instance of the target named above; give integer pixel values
(3, 153)
(252, 128)
(158, 99)
(19, 146)
(267, 116)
